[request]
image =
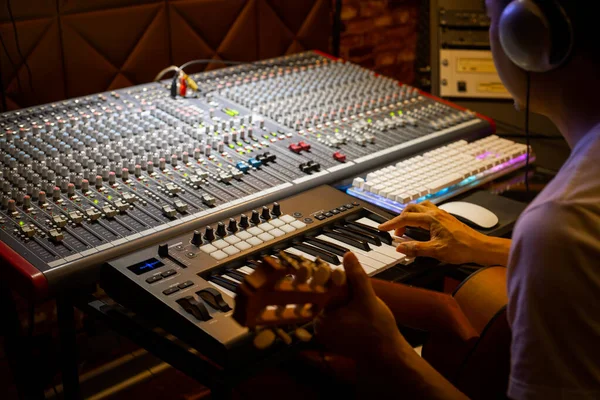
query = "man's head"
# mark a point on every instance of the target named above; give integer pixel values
(548, 87)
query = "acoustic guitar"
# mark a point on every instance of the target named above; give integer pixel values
(469, 337)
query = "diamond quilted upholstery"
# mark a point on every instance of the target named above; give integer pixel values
(78, 47)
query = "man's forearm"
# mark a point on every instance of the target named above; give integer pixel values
(401, 373)
(492, 251)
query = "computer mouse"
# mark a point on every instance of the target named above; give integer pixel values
(471, 214)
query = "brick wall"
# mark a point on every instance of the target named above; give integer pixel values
(381, 35)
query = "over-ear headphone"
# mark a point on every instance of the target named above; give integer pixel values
(536, 35)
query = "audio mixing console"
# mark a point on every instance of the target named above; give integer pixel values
(86, 180)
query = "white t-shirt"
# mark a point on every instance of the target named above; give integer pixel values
(554, 285)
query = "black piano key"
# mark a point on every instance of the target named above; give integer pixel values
(358, 243)
(325, 255)
(235, 275)
(350, 231)
(331, 247)
(385, 237)
(376, 217)
(225, 283)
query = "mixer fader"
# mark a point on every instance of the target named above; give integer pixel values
(93, 178)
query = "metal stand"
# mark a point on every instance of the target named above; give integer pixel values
(68, 348)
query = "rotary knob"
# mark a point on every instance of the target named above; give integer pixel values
(221, 229)
(232, 226)
(244, 221)
(209, 234)
(196, 238)
(276, 209)
(266, 213)
(255, 219)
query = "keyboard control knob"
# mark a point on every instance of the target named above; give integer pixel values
(255, 219)
(209, 234)
(163, 250)
(221, 229)
(266, 213)
(276, 210)
(232, 226)
(244, 221)
(196, 238)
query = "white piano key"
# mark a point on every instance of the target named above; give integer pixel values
(310, 257)
(372, 262)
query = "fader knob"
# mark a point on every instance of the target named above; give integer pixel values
(209, 234)
(163, 250)
(266, 213)
(276, 209)
(196, 238)
(232, 226)
(221, 229)
(255, 219)
(244, 221)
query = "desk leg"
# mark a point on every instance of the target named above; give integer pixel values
(68, 348)
(17, 347)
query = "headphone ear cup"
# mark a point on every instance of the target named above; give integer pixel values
(526, 37)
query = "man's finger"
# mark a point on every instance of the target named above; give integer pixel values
(419, 249)
(418, 220)
(359, 282)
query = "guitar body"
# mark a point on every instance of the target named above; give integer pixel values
(480, 370)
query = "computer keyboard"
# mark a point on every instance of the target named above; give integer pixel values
(441, 173)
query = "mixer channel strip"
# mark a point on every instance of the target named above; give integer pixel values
(189, 284)
(90, 179)
(441, 173)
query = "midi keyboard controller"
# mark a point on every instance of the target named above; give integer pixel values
(91, 179)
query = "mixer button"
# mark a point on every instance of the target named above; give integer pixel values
(194, 307)
(266, 227)
(170, 291)
(219, 255)
(163, 250)
(254, 241)
(208, 248)
(168, 273)
(243, 235)
(185, 285)
(154, 278)
(255, 231)
(242, 246)
(181, 206)
(287, 218)
(59, 220)
(93, 214)
(339, 156)
(265, 237)
(231, 250)
(287, 228)
(220, 244)
(276, 222)
(277, 232)
(232, 239)
(298, 224)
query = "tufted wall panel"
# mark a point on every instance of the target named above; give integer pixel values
(78, 47)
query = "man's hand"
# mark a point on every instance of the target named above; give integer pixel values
(365, 328)
(451, 240)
